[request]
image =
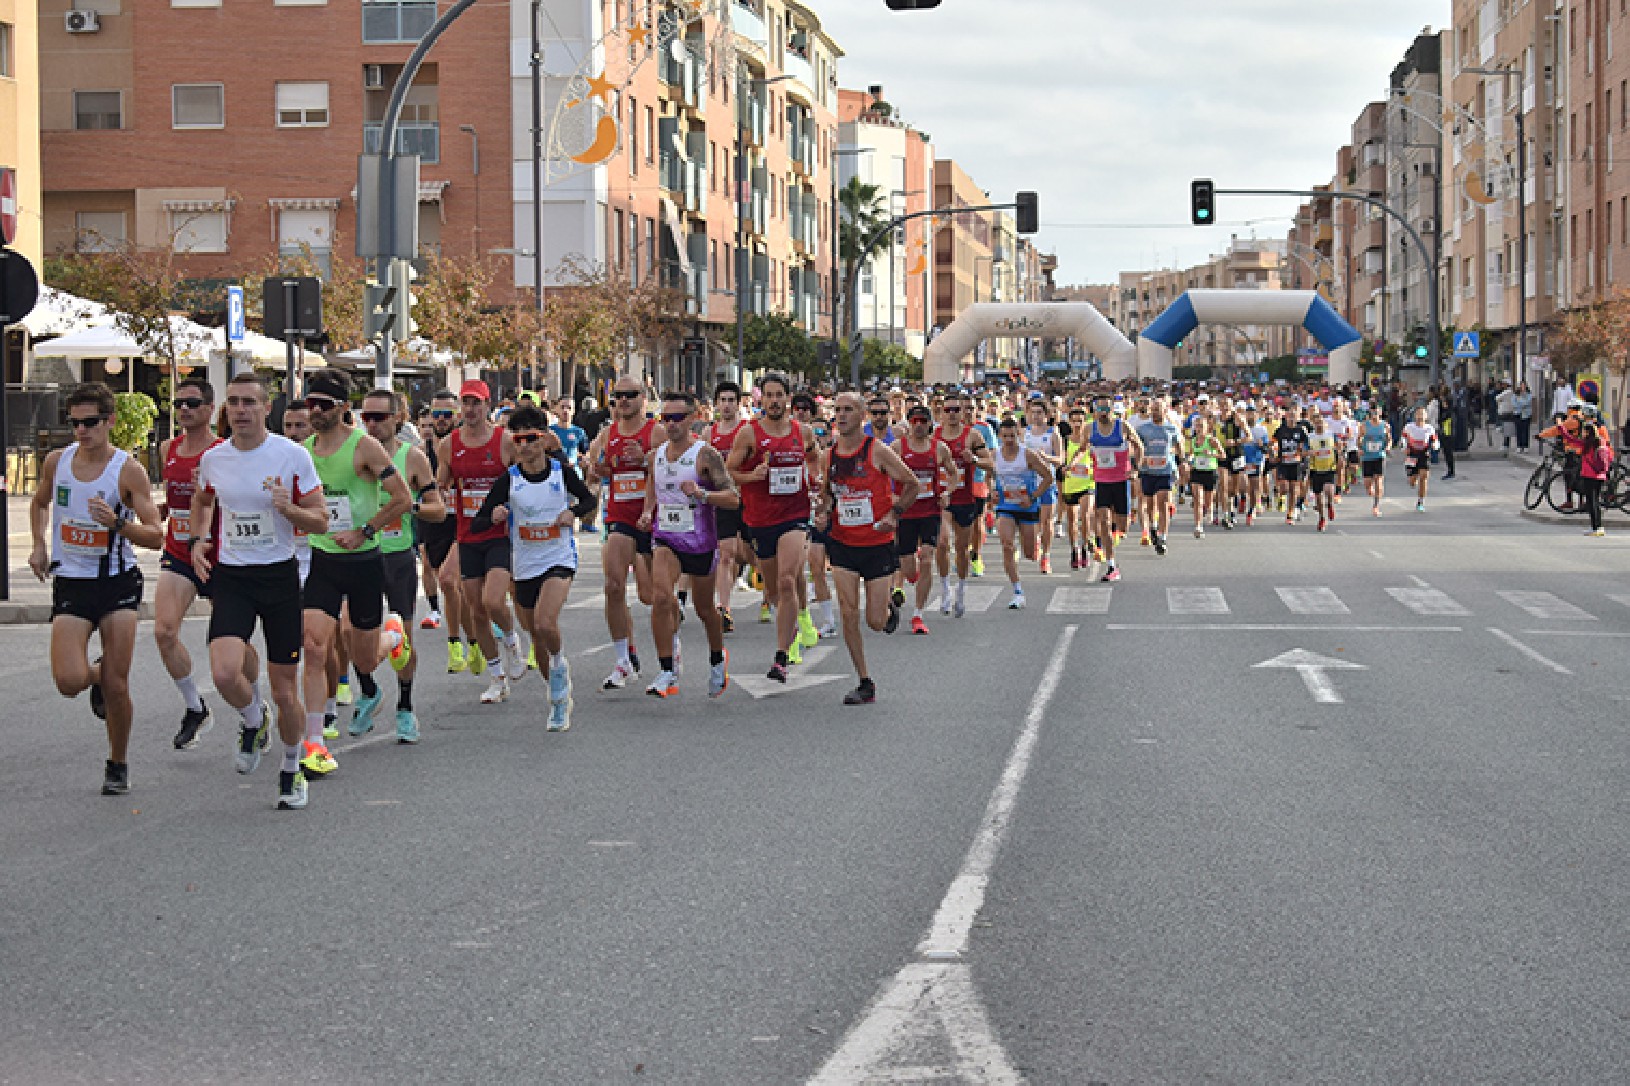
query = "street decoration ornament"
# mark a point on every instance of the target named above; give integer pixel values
(586, 129)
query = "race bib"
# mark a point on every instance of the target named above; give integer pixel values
(676, 519)
(1153, 463)
(1373, 444)
(85, 538)
(339, 514)
(856, 512)
(1078, 470)
(181, 524)
(926, 478)
(787, 480)
(248, 533)
(392, 533)
(1104, 458)
(1409, 463)
(1205, 463)
(1014, 492)
(471, 501)
(1237, 464)
(627, 486)
(535, 531)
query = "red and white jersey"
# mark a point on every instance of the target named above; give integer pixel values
(180, 477)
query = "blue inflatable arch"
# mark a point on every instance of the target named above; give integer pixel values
(1284, 307)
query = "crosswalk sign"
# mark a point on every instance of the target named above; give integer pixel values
(1468, 344)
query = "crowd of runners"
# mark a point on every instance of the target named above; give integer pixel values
(324, 536)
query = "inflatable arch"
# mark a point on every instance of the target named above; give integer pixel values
(943, 360)
(1304, 307)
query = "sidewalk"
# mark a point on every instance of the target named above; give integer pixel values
(1527, 462)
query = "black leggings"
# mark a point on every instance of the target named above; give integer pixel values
(1448, 447)
(1591, 491)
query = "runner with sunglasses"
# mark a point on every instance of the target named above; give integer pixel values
(969, 453)
(772, 461)
(98, 504)
(686, 486)
(382, 415)
(347, 570)
(918, 534)
(178, 584)
(439, 538)
(618, 456)
(469, 461)
(733, 548)
(537, 502)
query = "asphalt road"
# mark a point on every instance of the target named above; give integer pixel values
(1088, 844)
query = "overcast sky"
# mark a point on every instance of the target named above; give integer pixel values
(1109, 108)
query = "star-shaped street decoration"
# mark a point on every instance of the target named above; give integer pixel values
(600, 87)
(638, 35)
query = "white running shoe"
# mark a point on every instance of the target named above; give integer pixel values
(1017, 602)
(514, 660)
(496, 692)
(828, 630)
(961, 605)
(618, 678)
(666, 685)
(679, 668)
(945, 597)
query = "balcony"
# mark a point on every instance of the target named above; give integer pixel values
(746, 21)
(387, 22)
(751, 114)
(422, 138)
(800, 69)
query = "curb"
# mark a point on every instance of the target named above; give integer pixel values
(1573, 518)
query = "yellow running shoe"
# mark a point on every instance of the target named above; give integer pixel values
(478, 661)
(764, 613)
(532, 658)
(795, 652)
(976, 566)
(808, 636)
(402, 652)
(342, 692)
(456, 659)
(317, 759)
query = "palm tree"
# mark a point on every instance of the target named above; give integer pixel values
(863, 215)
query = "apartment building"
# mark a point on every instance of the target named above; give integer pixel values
(231, 131)
(20, 122)
(1566, 207)
(1414, 165)
(1359, 244)
(877, 146)
(1593, 125)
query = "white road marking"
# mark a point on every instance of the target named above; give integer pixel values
(1546, 605)
(798, 677)
(1081, 600)
(1229, 627)
(1427, 601)
(1621, 599)
(1312, 667)
(1378, 555)
(595, 649)
(1312, 600)
(1576, 633)
(1530, 653)
(928, 1004)
(1418, 582)
(976, 597)
(1195, 600)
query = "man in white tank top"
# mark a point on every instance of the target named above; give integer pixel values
(97, 503)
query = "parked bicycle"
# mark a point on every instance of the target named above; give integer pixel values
(1555, 480)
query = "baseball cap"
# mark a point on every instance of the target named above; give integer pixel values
(475, 388)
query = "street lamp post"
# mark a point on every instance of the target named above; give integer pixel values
(537, 177)
(1522, 218)
(741, 216)
(475, 170)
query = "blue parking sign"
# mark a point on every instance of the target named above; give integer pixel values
(235, 325)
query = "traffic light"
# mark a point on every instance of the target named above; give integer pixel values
(1418, 337)
(1027, 213)
(402, 301)
(912, 5)
(377, 312)
(1202, 202)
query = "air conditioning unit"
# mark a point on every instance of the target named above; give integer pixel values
(373, 76)
(1428, 226)
(81, 22)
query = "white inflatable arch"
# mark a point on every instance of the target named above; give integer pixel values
(946, 359)
(1288, 307)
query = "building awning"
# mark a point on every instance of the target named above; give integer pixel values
(200, 205)
(430, 191)
(304, 203)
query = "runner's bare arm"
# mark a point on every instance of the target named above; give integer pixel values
(373, 462)
(444, 462)
(889, 463)
(147, 530)
(722, 492)
(428, 505)
(740, 449)
(39, 516)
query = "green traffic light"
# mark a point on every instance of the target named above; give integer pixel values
(1203, 213)
(1421, 351)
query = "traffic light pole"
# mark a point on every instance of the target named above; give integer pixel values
(1436, 343)
(857, 345)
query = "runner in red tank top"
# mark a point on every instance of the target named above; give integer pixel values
(178, 585)
(929, 459)
(771, 461)
(859, 508)
(968, 451)
(617, 457)
(468, 462)
(721, 434)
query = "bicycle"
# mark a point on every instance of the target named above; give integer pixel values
(1553, 476)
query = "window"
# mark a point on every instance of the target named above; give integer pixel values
(302, 105)
(99, 231)
(619, 239)
(97, 110)
(6, 34)
(198, 105)
(198, 231)
(195, 3)
(633, 248)
(632, 143)
(650, 135)
(651, 244)
(397, 20)
(299, 229)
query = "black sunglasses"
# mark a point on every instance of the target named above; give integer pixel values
(627, 394)
(88, 421)
(951, 409)
(375, 416)
(191, 402)
(441, 414)
(680, 417)
(880, 411)
(525, 439)
(320, 403)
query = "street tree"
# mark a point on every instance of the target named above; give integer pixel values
(862, 215)
(775, 341)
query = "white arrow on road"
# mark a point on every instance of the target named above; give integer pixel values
(1312, 667)
(798, 677)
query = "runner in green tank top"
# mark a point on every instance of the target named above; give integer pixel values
(352, 501)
